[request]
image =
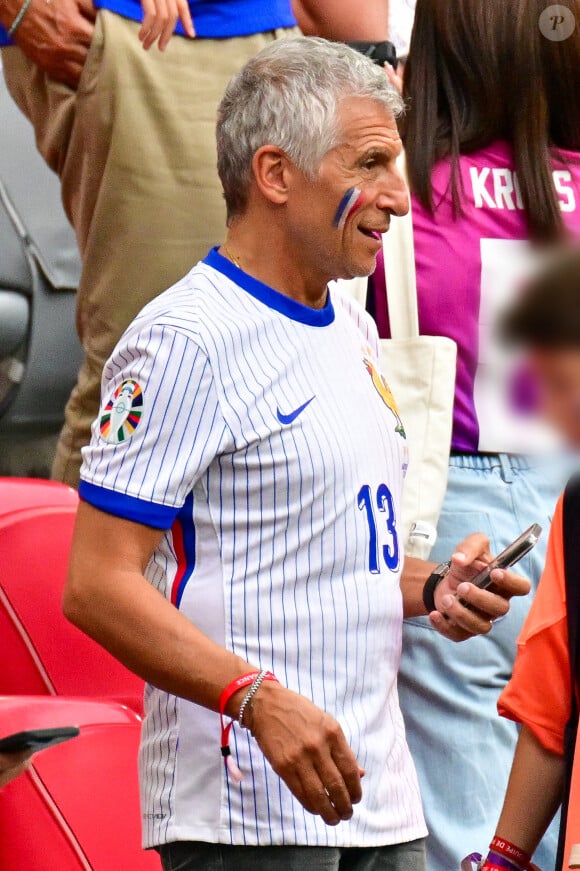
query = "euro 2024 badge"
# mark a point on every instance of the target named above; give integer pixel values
(122, 414)
(382, 387)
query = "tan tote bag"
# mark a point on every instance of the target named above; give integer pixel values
(421, 371)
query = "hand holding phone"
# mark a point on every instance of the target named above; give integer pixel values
(36, 739)
(509, 557)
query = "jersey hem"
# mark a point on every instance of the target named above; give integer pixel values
(128, 507)
(263, 838)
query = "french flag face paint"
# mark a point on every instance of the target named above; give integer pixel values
(351, 201)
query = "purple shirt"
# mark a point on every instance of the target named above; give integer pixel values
(467, 267)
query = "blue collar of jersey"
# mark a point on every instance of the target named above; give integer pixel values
(312, 317)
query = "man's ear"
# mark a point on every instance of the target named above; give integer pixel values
(272, 169)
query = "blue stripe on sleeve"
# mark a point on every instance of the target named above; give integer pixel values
(129, 507)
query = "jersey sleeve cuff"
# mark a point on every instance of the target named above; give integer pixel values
(549, 739)
(129, 507)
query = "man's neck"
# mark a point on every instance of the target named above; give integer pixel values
(268, 257)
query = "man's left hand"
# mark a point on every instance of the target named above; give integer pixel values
(159, 20)
(452, 618)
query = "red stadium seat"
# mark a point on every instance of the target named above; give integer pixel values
(77, 807)
(40, 651)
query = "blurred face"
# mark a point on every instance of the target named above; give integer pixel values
(337, 219)
(558, 376)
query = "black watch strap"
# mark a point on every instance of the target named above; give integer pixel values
(431, 585)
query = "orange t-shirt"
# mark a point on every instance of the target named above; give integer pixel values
(538, 694)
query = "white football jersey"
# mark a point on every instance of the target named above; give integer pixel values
(260, 434)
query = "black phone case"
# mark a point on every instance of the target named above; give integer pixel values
(37, 739)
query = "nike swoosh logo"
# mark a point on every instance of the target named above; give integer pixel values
(290, 418)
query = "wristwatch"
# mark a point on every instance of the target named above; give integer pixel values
(432, 583)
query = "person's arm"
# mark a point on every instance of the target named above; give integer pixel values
(453, 619)
(533, 795)
(343, 20)
(109, 598)
(539, 697)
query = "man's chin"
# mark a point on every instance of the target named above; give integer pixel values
(356, 267)
(360, 268)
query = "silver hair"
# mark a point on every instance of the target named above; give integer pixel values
(289, 96)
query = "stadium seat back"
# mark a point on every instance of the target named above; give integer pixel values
(77, 808)
(40, 651)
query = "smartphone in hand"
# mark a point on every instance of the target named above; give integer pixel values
(37, 739)
(510, 556)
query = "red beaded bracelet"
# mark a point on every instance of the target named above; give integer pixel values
(239, 683)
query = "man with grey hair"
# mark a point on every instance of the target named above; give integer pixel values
(237, 541)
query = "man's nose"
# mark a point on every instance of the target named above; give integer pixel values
(394, 195)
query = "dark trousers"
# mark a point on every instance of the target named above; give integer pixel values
(198, 856)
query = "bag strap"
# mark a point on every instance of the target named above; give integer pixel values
(400, 272)
(571, 525)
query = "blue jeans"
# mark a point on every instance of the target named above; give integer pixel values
(197, 856)
(462, 749)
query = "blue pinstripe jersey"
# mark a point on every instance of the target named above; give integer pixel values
(261, 436)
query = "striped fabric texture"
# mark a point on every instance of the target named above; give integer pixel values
(268, 452)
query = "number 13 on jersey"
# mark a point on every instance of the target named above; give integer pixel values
(380, 515)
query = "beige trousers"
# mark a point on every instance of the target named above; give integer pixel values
(134, 147)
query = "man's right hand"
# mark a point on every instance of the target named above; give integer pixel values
(308, 750)
(54, 35)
